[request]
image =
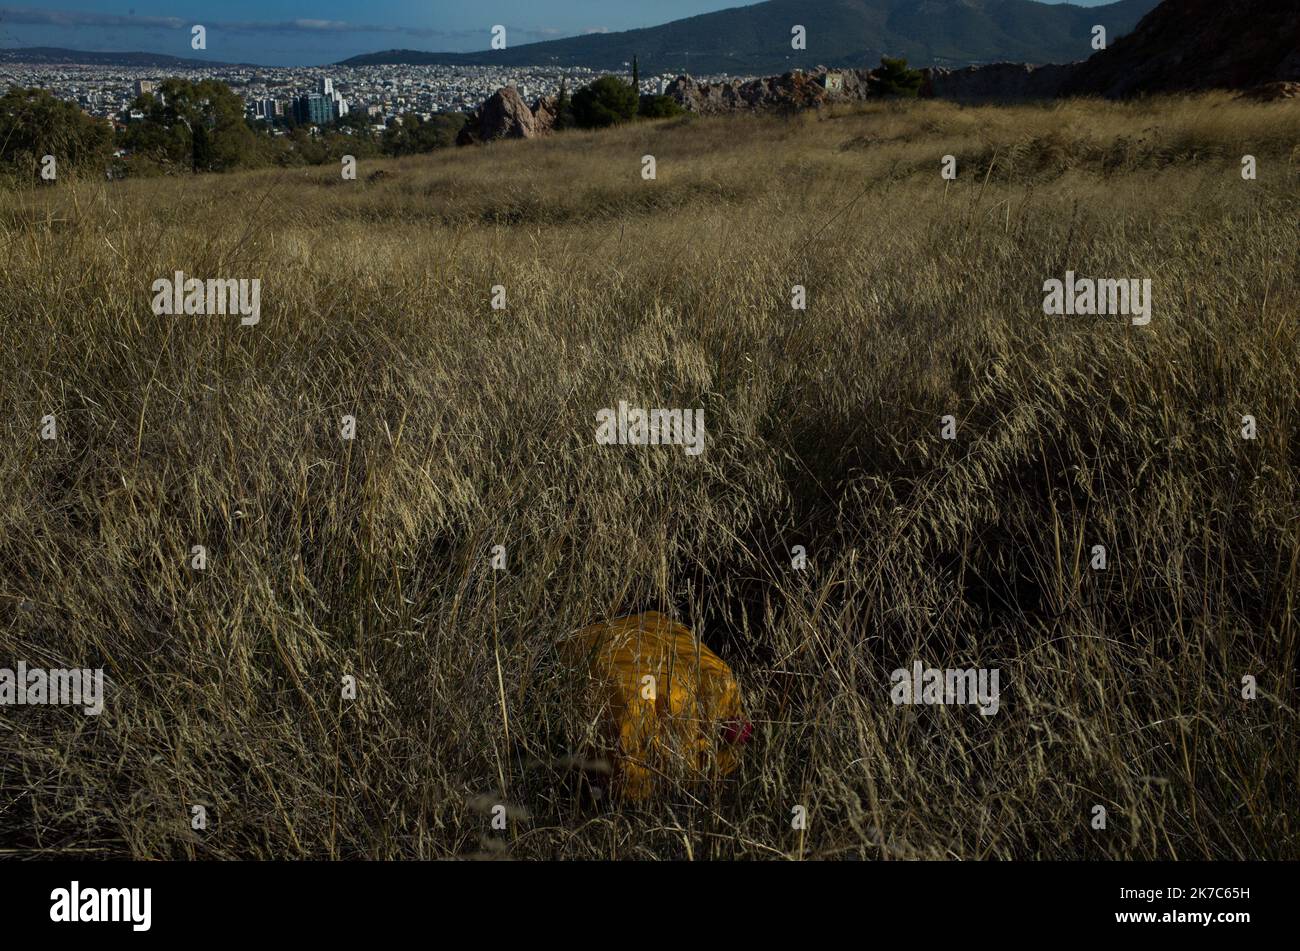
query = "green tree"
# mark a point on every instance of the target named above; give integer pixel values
(660, 107)
(412, 135)
(34, 124)
(563, 107)
(636, 75)
(357, 121)
(893, 78)
(200, 125)
(605, 102)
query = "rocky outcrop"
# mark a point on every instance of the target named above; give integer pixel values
(506, 116)
(1188, 45)
(1272, 92)
(545, 110)
(999, 82)
(792, 91)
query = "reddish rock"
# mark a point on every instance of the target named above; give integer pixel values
(545, 110)
(506, 116)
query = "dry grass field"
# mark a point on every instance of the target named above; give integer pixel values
(371, 557)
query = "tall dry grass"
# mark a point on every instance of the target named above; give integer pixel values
(476, 428)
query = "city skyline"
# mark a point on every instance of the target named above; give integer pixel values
(381, 92)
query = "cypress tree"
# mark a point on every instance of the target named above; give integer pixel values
(563, 107)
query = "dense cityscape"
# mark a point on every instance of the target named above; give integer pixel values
(309, 96)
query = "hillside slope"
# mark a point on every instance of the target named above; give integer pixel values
(1198, 44)
(57, 56)
(756, 39)
(370, 556)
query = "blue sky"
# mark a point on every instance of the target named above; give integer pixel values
(306, 32)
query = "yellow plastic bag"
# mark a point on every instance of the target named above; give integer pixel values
(673, 706)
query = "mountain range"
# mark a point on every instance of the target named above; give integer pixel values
(55, 56)
(757, 38)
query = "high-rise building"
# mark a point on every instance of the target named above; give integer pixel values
(267, 109)
(325, 86)
(313, 109)
(143, 86)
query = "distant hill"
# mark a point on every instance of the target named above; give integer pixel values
(53, 56)
(1198, 44)
(756, 39)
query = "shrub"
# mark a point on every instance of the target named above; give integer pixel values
(893, 78)
(411, 135)
(605, 102)
(660, 107)
(34, 124)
